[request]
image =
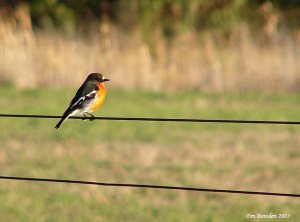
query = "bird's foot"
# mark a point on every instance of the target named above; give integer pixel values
(84, 118)
(91, 118)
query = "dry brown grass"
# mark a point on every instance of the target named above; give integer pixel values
(32, 59)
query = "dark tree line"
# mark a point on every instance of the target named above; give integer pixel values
(170, 15)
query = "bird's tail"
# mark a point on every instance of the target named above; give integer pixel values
(64, 118)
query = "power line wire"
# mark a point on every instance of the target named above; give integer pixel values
(148, 186)
(156, 119)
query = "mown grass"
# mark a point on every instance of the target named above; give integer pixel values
(248, 157)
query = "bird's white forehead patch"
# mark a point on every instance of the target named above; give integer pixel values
(103, 77)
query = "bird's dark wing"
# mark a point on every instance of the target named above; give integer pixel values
(85, 92)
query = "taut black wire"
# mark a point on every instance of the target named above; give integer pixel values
(156, 119)
(148, 186)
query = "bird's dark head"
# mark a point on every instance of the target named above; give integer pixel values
(97, 77)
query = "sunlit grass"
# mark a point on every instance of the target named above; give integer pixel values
(225, 156)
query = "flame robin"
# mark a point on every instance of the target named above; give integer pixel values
(88, 98)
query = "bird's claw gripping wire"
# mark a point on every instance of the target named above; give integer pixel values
(91, 117)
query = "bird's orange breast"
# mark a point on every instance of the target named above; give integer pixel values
(101, 96)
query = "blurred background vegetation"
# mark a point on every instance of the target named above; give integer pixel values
(228, 44)
(171, 16)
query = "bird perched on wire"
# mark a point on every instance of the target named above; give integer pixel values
(88, 98)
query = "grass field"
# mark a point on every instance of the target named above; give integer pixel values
(222, 156)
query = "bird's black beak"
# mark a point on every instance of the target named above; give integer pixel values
(105, 80)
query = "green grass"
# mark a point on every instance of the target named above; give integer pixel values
(224, 156)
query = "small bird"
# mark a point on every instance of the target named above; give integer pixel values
(88, 98)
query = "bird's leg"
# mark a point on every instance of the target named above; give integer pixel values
(92, 117)
(84, 118)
